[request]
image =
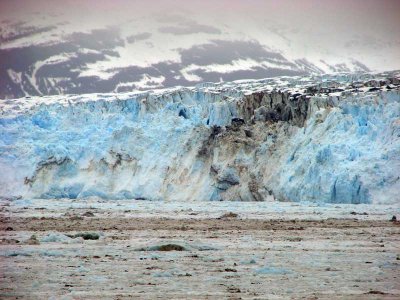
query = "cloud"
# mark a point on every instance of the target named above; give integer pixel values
(225, 52)
(138, 37)
(189, 27)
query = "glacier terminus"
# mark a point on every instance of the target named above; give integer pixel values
(325, 138)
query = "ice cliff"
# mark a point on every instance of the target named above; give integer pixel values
(324, 139)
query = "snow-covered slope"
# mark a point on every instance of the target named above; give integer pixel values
(48, 50)
(323, 138)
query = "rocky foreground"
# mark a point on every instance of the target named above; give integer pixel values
(73, 249)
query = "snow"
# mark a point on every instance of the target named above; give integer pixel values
(234, 66)
(161, 144)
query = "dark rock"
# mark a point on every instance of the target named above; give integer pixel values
(356, 213)
(85, 235)
(230, 270)
(228, 216)
(164, 247)
(88, 214)
(215, 130)
(248, 133)
(376, 293)
(237, 121)
(272, 116)
(374, 89)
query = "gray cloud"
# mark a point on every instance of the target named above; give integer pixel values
(224, 52)
(138, 37)
(189, 27)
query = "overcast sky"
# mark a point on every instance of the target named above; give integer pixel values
(368, 29)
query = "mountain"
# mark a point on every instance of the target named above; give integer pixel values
(325, 138)
(78, 49)
(57, 68)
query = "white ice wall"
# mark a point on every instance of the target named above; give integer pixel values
(165, 147)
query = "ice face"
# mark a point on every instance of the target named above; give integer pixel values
(296, 139)
(344, 158)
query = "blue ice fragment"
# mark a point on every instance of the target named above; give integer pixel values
(272, 271)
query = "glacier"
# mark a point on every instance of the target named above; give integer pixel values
(327, 138)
